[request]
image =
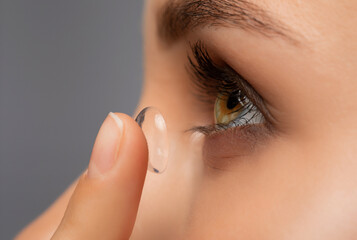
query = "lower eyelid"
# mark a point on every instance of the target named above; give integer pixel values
(224, 148)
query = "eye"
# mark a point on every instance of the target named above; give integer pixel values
(235, 109)
(234, 100)
(228, 108)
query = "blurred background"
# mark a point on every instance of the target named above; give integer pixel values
(63, 66)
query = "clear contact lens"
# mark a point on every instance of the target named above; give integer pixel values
(153, 125)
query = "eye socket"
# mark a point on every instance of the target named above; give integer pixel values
(235, 109)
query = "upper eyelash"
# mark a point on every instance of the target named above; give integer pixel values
(211, 80)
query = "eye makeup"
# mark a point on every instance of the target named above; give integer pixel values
(220, 86)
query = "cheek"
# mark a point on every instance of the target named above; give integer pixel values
(252, 199)
(293, 192)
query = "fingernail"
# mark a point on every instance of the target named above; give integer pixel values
(106, 146)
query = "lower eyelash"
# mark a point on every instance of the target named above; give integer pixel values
(242, 121)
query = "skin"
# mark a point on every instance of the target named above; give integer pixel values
(298, 183)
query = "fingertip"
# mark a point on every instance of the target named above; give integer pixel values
(111, 195)
(134, 135)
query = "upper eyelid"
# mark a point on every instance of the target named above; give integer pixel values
(207, 75)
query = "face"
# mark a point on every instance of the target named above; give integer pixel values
(260, 103)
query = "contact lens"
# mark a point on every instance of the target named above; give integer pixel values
(153, 125)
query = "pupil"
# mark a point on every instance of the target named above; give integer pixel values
(233, 100)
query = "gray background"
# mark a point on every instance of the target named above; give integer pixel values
(63, 66)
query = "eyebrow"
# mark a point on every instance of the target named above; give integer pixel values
(179, 17)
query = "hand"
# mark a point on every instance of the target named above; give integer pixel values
(105, 201)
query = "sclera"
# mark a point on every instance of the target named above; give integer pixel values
(153, 125)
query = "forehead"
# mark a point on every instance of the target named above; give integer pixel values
(313, 19)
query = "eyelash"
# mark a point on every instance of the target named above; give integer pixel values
(211, 79)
